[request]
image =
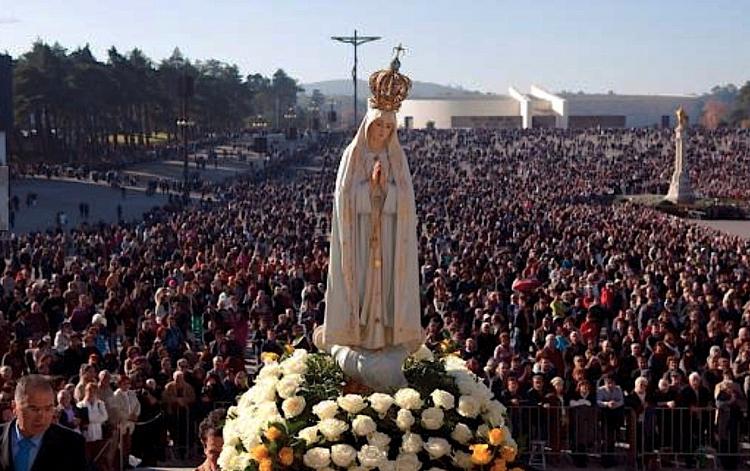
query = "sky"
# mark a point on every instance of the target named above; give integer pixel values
(627, 46)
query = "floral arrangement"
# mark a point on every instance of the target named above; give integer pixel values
(300, 414)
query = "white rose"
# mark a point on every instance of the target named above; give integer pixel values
(230, 432)
(435, 468)
(404, 419)
(288, 385)
(408, 462)
(483, 430)
(294, 365)
(432, 418)
(263, 390)
(408, 398)
(343, 455)
(453, 363)
(468, 407)
(271, 369)
(482, 395)
(352, 403)
(387, 466)
(411, 443)
(309, 435)
(423, 354)
(462, 459)
(380, 440)
(363, 425)
(461, 434)
(267, 412)
(380, 403)
(325, 409)
(293, 406)
(357, 468)
(371, 456)
(466, 385)
(332, 429)
(443, 399)
(228, 459)
(243, 461)
(495, 413)
(317, 457)
(437, 447)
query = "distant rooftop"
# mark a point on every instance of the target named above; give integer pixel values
(463, 97)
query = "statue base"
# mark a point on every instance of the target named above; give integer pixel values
(379, 370)
(680, 190)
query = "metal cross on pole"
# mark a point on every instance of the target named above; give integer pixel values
(355, 41)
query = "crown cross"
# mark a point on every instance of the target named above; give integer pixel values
(389, 87)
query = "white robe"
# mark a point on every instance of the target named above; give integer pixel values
(389, 313)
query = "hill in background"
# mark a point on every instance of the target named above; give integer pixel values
(343, 88)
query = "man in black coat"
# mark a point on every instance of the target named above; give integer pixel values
(31, 442)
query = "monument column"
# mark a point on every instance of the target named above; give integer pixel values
(680, 190)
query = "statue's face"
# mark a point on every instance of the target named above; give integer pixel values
(378, 133)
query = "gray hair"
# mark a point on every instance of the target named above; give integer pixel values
(31, 383)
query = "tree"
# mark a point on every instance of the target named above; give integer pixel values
(714, 114)
(73, 106)
(741, 112)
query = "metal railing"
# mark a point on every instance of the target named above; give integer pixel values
(670, 437)
(694, 436)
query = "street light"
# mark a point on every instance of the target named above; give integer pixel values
(314, 123)
(185, 89)
(290, 116)
(259, 123)
(183, 124)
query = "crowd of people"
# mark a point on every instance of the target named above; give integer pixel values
(571, 308)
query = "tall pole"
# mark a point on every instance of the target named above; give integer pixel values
(186, 91)
(355, 41)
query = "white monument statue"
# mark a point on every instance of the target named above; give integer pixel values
(680, 191)
(372, 320)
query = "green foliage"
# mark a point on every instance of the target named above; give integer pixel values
(323, 380)
(427, 376)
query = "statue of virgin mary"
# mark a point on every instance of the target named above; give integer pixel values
(372, 297)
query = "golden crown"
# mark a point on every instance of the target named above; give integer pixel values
(389, 87)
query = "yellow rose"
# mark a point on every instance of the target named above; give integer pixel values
(273, 433)
(508, 453)
(266, 465)
(286, 456)
(259, 453)
(268, 357)
(498, 465)
(496, 436)
(481, 454)
(516, 469)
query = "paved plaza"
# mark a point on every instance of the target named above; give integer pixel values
(65, 194)
(738, 228)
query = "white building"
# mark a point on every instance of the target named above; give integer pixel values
(542, 109)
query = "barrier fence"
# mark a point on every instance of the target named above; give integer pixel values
(649, 438)
(666, 437)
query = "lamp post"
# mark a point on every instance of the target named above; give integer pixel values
(186, 92)
(332, 117)
(314, 123)
(183, 124)
(290, 116)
